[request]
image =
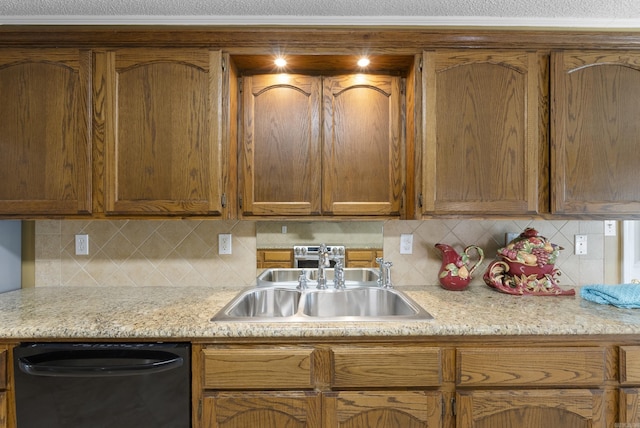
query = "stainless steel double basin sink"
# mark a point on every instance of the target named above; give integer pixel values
(276, 298)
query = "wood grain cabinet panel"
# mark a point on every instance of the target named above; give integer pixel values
(485, 139)
(272, 409)
(280, 153)
(317, 146)
(629, 365)
(387, 366)
(382, 409)
(157, 112)
(45, 131)
(4, 394)
(595, 132)
(3, 368)
(362, 151)
(4, 411)
(566, 366)
(629, 406)
(361, 258)
(566, 408)
(258, 368)
(274, 259)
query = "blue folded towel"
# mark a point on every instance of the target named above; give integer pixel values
(623, 295)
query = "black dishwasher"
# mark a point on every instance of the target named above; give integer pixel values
(95, 385)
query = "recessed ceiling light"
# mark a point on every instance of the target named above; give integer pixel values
(280, 62)
(363, 62)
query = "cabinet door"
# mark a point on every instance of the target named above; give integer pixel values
(275, 259)
(280, 154)
(45, 131)
(531, 409)
(382, 409)
(485, 142)
(629, 411)
(3, 410)
(362, 151)
(157, 116)
(595, 132)
(362, 258)
(271, 409)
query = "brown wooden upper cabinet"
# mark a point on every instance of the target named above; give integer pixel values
(486, 146)
(315, 145)
(158, 115)
(595, 132)
(45, 132)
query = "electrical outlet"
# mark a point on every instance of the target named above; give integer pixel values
(82, 245)
(580, 245)
(610, 228)
(224, 243)
(406, 243)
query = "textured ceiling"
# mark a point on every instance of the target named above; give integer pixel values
(597, 13)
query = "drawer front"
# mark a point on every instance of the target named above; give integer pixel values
(566, 366)
(630, 365)
(386, 366)
(3, 368)
(256, 368)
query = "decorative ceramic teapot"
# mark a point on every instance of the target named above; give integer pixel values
(455, 272)
(526, 266)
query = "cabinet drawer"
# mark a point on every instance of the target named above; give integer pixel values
(257, 368)
(3, 368)
(630, 365)
(570, 366)
(275, 258)
(386, 366)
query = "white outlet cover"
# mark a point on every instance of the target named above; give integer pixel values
(610, 228)
(406, 243)
(224, 243)
(82, 245)
(580, 245)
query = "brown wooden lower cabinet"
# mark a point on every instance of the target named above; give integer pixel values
(3, 409)
(264, 409)
(382, 409)
(269, 259)
(362, 258)
(456, 383)
(307, 386)
(5, 389)
(629, 408)
(561, 408)
(629, 401)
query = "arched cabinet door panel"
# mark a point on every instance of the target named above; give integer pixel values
(485, 128)
(321, 146)
(280, 156)
(595, 132)
(383, 409)
(362, 151)
(272, 409)
(566, 408)
(45, 132)
(157, 111)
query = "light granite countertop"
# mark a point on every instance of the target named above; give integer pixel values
(184, 313)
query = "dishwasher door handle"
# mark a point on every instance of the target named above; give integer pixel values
(99, 363)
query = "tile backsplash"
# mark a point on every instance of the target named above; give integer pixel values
(185, 252)
(145, 252)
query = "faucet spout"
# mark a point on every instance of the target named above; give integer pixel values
(323, 263)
